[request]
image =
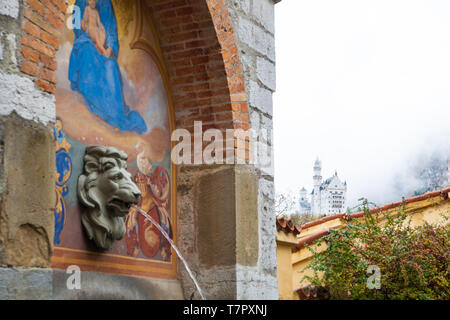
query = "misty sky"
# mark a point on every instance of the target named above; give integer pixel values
(364, 85)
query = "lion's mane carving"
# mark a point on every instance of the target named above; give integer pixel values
(107, 192)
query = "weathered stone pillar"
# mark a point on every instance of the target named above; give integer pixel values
(221, 233)
(27, 166)
(254, 25)
(226, 219)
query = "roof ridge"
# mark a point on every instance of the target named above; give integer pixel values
(392, 205)
(322, 232)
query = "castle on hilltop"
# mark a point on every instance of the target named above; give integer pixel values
(327, 197)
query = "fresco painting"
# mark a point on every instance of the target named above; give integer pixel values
(111, 93)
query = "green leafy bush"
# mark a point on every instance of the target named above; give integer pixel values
(413, 261)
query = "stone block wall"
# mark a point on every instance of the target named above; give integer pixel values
(253, 22)
(247, 205)
(27, 161)
(222, 235)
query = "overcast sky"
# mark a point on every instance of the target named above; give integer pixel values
(365, 86)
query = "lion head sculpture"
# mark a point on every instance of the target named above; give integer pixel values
(106, 190)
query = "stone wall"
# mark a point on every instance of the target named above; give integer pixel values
(26, 155)
(221, 210)
(253, 22)
(221, 67)
(226, 220)
(27, 166)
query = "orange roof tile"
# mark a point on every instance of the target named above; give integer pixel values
(287, 225)
(308, 292)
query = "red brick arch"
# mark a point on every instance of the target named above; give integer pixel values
(205, 72)
(41, 24)
(199, 48)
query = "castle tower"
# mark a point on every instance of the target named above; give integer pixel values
(303, 194)
(316, 194)
(304, 204)
(328, 196)
(317, 173)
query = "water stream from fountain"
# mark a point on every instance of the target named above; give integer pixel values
(164, 233)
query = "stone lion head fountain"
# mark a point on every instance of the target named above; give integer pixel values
(107, 192)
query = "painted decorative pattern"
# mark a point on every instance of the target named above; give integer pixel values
(63, 173)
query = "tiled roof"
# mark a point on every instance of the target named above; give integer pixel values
(308, 292)
(442, 193)
(322, 232)
(310, 239)
(287, 225)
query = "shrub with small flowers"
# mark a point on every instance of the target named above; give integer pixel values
(413, 262)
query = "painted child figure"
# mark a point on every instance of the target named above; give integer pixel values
(93, 26)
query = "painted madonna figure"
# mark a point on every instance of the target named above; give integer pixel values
(94, 71)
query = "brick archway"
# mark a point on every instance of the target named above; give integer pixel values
(207, 82)
(223, 210)
(206, 78)
(201, 54)
(199, 47)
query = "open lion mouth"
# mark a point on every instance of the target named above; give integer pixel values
(121, 205)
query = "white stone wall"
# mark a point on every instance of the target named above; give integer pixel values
(18, 93)
(334, 191)
(254, 25)
(9, 8)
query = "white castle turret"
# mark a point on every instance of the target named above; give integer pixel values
(315, 195)
(328, 197)
(304, 205)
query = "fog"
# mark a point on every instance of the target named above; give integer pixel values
(364, 86)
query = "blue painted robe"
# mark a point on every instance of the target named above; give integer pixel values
(98, 78)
